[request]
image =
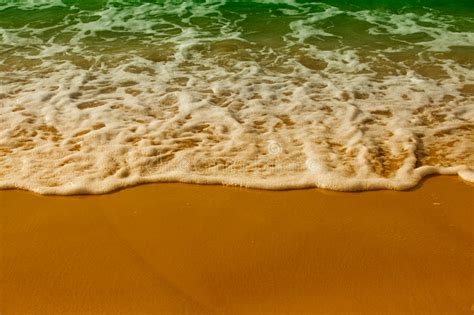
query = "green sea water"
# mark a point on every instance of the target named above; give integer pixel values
(415, 26)
(338, 94)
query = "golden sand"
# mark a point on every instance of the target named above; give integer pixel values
(189, 249)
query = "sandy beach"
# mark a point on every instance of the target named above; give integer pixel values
(190, 249)
(129, 129)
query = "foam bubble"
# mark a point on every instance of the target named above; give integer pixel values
(136, 93)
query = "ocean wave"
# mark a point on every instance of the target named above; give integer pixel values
(273, 95)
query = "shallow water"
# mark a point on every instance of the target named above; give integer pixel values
(97, 95)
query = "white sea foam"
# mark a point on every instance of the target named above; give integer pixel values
(119, 97)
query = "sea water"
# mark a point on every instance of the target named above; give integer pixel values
(345, 95)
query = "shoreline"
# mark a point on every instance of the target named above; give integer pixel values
(171, 248)
(341, 185)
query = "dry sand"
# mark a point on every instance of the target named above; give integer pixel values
(188, 249)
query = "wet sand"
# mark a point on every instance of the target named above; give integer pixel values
(189, 249)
